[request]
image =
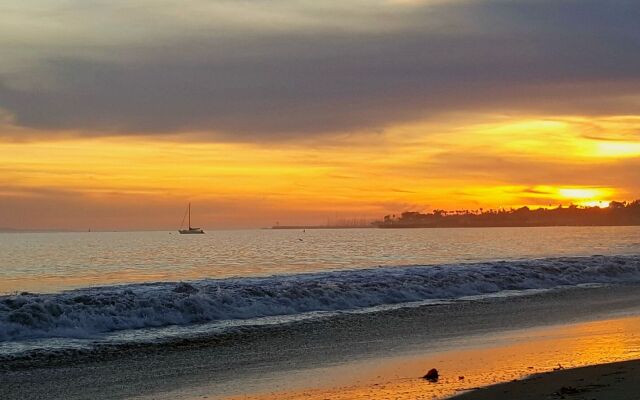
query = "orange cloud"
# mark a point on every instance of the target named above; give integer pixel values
(144, 182)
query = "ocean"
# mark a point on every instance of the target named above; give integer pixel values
(53, 262)
(70, 296)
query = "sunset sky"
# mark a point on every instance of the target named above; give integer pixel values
(114, 114)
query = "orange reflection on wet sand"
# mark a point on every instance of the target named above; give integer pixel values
(483, 361)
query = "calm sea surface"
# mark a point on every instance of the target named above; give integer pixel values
(50, 262)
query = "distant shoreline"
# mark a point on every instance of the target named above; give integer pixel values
(12, 230)
(412, 226)
(616, 214)
(325, 227)
(320, 227)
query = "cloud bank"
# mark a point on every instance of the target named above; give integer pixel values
(263, 71)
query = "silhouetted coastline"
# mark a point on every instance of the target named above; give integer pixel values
(616, 214)
(321, 226)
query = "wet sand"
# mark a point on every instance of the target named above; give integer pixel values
(478, 372)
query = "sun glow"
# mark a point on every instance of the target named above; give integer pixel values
(587, 197)
(579, 193)
(595, 203)
(618, 149)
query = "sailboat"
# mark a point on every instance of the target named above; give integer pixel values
(190, 230)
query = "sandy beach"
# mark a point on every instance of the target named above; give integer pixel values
(588, 360)
(614, 381)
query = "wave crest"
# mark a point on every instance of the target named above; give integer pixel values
(89, 312)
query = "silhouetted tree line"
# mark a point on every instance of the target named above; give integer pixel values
(617, 213)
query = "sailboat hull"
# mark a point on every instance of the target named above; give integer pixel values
(196, 231)
(190, 231)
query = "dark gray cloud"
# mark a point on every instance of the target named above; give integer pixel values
(400, 64)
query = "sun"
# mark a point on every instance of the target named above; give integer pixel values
(579, 193)
(588, 197)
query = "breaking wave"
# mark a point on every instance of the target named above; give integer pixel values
(86, 313)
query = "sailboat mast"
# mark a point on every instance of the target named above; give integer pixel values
(190, 229)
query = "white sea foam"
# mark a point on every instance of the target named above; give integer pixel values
(90, 312)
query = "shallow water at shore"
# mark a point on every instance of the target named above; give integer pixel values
(140, 314)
